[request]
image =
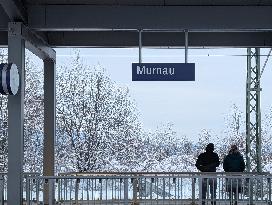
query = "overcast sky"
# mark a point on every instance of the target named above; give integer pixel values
(191, 106)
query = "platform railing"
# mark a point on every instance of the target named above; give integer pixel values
(3, 185)
(151, 188)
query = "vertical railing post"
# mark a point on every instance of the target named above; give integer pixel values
(163, 188)
(126, 191)
(193, 190)
(200, 189)
(135, 187)
(76, 191)
(1, 190)
(59, 189)
(269, 190)
(250, 191)
(27, 191)
(51, 191)
(37, 190)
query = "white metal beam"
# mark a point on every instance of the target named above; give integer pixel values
(38, 44)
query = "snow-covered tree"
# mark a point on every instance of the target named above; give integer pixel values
(98, 117)
(33, 121)
(3, 122)
(266, 141)
(33, 114)
(165, 150)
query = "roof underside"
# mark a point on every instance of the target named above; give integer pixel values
(115, 23)
(152, 2)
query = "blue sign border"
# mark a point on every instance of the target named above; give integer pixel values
(163, 72)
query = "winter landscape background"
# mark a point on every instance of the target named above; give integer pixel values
(100, 126)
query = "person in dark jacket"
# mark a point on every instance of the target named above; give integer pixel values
(207, 162)
(234, 162)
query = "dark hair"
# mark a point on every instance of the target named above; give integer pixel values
(210, 147)
(234, 149)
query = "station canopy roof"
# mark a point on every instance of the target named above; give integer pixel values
(152, 2)
(116, 23)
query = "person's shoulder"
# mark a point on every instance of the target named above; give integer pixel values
(215, 154)
(241, 156)
(201, 155)
(227, 157)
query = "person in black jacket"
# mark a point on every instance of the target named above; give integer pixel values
(234, 162)
(207, 162)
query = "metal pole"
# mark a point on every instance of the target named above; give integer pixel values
(253, 110)
(186, 46)
(258, 113)
(140, 46)
(16, 54)
(248, 131)
(49, 122)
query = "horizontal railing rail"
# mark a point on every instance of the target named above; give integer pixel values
(160, 173)
(150, 188)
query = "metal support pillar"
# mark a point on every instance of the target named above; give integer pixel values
(49, 124)
(253, 111)
(16, 54)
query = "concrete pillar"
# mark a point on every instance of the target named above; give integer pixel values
(49, 123)
(16, 54)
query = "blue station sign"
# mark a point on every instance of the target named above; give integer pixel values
(163, 72)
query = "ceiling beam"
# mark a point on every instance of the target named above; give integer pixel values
(153, 39)
(159, 39)
(15, 10)
(197, 18)
(155, 3)
(4, 19)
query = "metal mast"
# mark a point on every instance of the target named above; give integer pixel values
(253, 111)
